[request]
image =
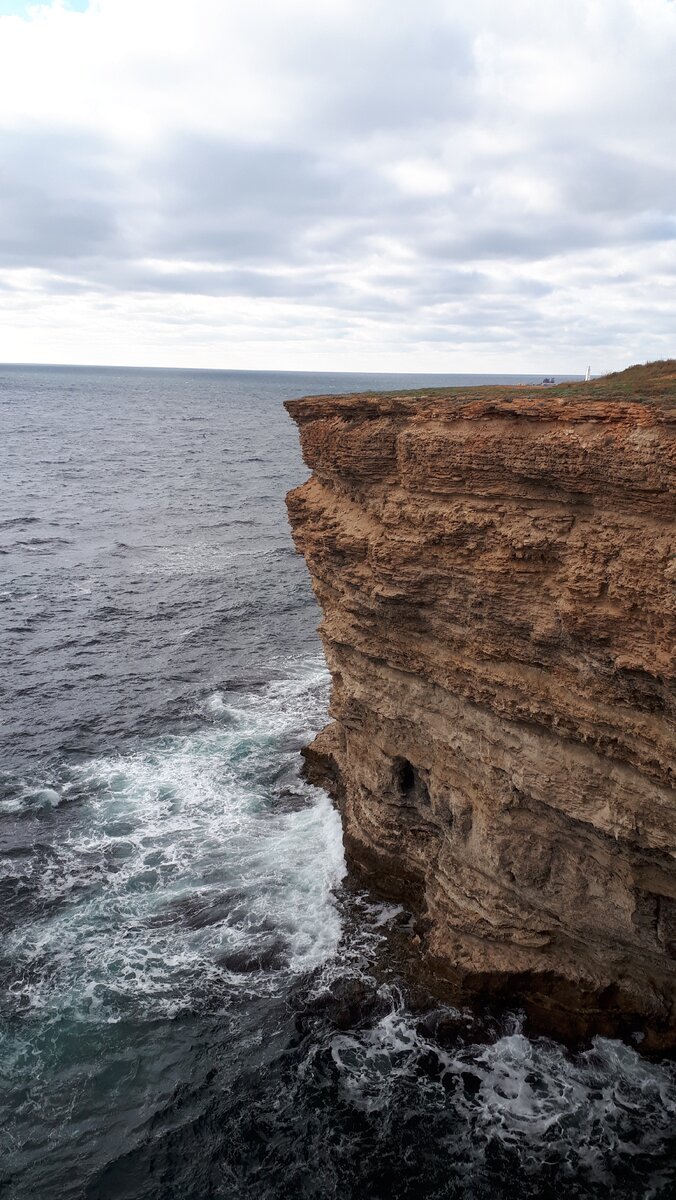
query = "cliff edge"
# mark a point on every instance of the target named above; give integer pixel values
(496, 571)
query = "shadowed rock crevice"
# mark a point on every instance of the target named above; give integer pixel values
(496, 571)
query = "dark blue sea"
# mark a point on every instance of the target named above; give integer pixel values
(196, 1000)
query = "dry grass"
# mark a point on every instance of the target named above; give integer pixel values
(652, 383)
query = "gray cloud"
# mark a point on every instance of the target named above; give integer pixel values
(410, 176)
(56, 197)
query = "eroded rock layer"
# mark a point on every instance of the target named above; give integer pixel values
(496, 572)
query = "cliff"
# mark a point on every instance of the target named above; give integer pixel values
(496, 572)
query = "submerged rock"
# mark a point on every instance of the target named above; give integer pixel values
(496, 570)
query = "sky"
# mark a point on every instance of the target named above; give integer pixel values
(366, 185)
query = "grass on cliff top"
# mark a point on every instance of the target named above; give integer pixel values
(653, 383)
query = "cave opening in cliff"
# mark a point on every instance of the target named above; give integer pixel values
(409, 782)
(405, 776)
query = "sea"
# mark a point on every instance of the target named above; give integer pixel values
(196, 999)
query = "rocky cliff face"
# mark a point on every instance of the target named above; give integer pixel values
(496, 573)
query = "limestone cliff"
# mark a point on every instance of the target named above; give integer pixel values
(496, 572)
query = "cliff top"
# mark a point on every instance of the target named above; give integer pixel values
(643, 394)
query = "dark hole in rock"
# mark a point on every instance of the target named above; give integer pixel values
(410, 782)
(405, 776)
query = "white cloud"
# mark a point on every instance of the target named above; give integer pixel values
(386, 185)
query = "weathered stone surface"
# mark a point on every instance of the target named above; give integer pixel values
(496, 571)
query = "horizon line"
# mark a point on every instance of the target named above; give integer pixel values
(275, 370)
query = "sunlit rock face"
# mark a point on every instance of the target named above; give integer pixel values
(496, 572)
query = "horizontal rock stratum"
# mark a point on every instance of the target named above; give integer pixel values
(496, 571)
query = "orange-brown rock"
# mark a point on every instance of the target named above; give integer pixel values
(496, 572)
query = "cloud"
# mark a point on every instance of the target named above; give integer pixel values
(390, 185)
(56, 197)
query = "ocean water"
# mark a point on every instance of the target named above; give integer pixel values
(195, 998)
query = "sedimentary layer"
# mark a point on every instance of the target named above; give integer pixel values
(496, 572)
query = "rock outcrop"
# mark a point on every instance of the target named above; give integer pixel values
(496, 571)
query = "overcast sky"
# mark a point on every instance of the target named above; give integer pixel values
(435, 185)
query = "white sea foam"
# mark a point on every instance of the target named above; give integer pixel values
(182, 873)
(204, 557)
(585, 1113)
(30, 799)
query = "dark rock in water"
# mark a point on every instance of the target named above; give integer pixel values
(471, 1082)
(445, 1026)
(198, 912)
(290, 801)
(272, 957)
(348, 1002)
